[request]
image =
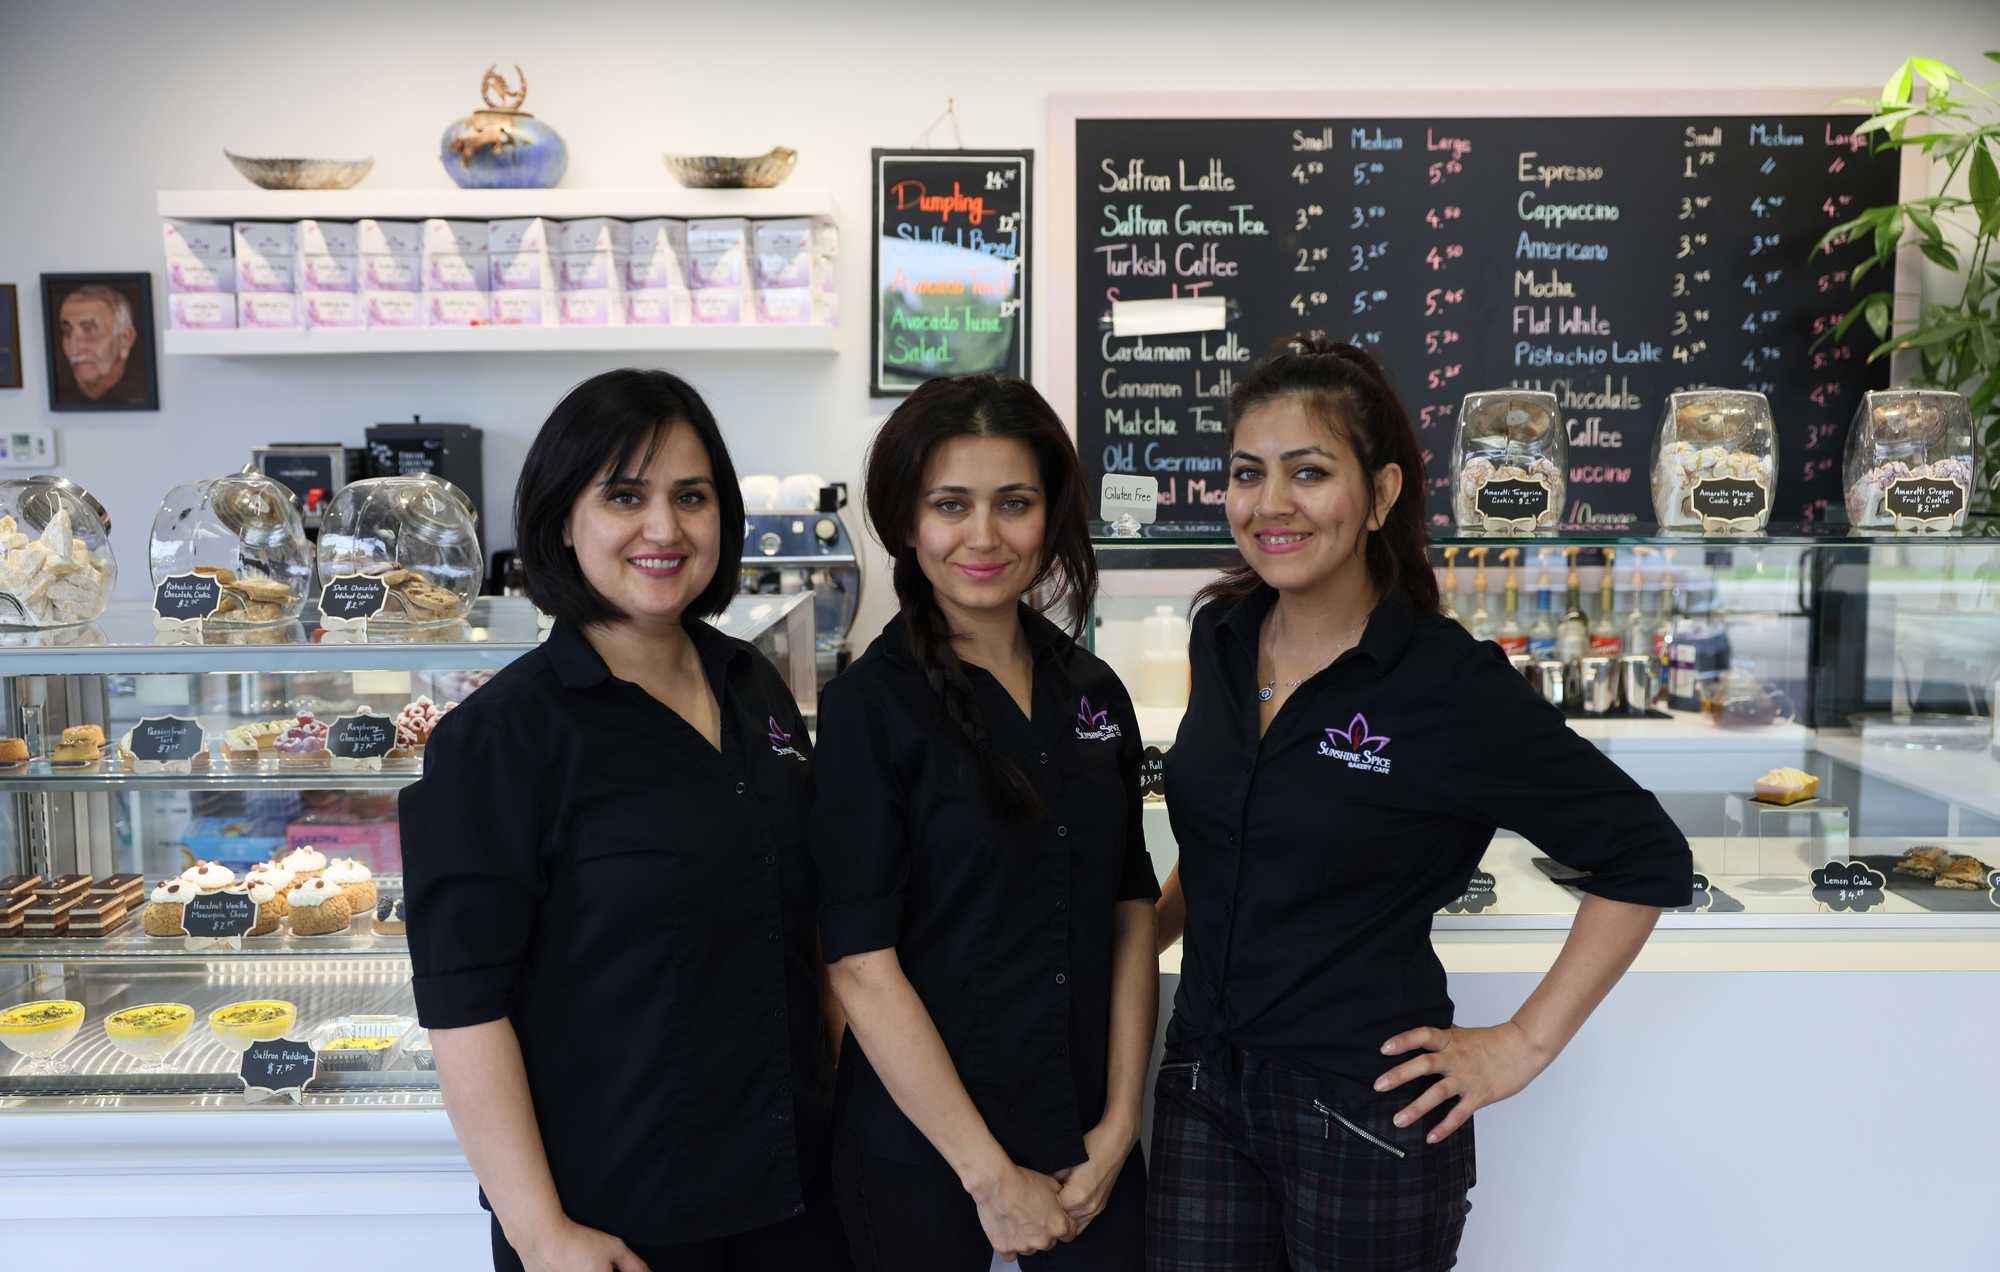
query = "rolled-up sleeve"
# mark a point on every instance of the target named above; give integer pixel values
(1522, 767)
(860, 840)
(471, 835)
(1137, 881)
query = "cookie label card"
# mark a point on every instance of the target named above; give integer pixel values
(1482, 892)
(1513, 504)
(1128, 502)
(162, 740)
(1729, 503)
(349, 600)
(360, 741)
(183, 600)
(277, 1070)
(218, 920)
(1153, 773)
(1853, 886)
(1924, 503)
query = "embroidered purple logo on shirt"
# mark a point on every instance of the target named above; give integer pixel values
(1095, 726)
(1357, 746)
(781, 741)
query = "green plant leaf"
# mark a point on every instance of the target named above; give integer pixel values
(1982, 397)
(1939, 254)
(1987, 342)
(1931, 337)
(1923, 221)
(1887, 119)
(1896, 91)
(1876, 308)
(1888, 233)
(1861, 271)
(1982, 183)
(1935, 73)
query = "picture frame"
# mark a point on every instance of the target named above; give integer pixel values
(103, 346)
(10, 336)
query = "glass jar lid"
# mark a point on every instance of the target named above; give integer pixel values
(252, 507)
(435, 511)
(42, 497)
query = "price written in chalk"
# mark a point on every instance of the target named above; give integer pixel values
(361, 737)
(1512, 502)
(1729, 498)
(280, 1067)
(1924, 499)
(352, 598)
(164, 738)
(187, 598)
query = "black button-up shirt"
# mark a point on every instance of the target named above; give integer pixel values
(1004, 928)
(582, 862)
(1313, 858)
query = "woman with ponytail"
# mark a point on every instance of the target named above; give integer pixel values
(1345, 758)
(986, 901)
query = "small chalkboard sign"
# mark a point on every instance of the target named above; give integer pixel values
(361, 737)
(218, 916)
(161, 739)
(277, 1069)
(1919, 502)
(1728, 499)
(187, 598)
(1513, 503)
(1993, 888)
(1703, 896)
(1153, 772)
(352, 598)
(1482, 892)
(1848, 885)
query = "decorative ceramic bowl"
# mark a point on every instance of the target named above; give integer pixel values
(728, 172)
(302, 174)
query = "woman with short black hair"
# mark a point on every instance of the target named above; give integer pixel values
(611, 911)
(986, 894)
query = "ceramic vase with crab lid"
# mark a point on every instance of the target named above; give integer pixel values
(503, 147)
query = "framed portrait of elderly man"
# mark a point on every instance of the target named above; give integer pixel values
(102, 348)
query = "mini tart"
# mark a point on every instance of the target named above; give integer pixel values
(209, 876)
(91, 733)
(355, 882)
(1786, 786)
(164, 907)
(271, 907)
(318, 909)
(257, 1020)
(76, 753)
(13, 751)
(390, 918)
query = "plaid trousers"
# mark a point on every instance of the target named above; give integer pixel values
(1258, 1167)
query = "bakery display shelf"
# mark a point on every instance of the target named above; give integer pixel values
(40, 775)
(1216, 550)
(813, 339)
(202, 1070)
(490, 205)
(130, 943)
(1663, 730)
(1960, 779)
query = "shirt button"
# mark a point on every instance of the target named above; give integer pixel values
(1062, 832)
(769, 858)
(1062, 903)
(771, 934)
(777, 1013)
(741, 787)
(1045, 757)
(1061, 979)
(1062, 1048)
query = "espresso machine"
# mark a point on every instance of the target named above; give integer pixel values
(795, 540)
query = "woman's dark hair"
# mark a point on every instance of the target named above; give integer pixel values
(978, 406)
(612, 424)
(1345, 388)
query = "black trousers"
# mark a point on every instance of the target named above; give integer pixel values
(904, 1218)
(811, 1242)
(1258, 1167)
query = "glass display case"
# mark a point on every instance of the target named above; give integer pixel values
(130, 1002)
(1849, 679)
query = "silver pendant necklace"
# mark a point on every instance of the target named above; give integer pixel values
(1269, 688)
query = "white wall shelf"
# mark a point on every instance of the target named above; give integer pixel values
(691, 339)
(488, 205)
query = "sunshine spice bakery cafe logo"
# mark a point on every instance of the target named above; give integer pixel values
(781, 741)
(1356, 747)
(1095, 726)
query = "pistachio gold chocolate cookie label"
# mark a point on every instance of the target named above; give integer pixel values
(181, 599)
(352, 598)
(277, 1070)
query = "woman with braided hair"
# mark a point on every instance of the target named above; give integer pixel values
(986, 901)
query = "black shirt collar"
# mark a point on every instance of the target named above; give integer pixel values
(579, 666)
(1046, 640)
(1383, 640)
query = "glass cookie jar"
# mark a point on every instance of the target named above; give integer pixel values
(1507, 467)
(416, 533)
(56, 568)
(244, 529)
(1715, 462)
(1909, 461)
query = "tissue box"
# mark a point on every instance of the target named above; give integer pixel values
(262, 272)
(457, 308)
(392, 308)
(400, 271)
(529, 270)
(201, 274)
(453, 272)
(455, 238)
(320, 272)
(605, 308)
(266, 238)
(788, 306)
(659, 307)
(719, 234)
(327, 238)
(661, 234)
(207, 240)
(725, 269)
(659, 270)
(529, 307)
(332, 309)
(722, 306)
(268, 311)
(590, 271)
(201, 311)
(781, 252)
(388, 238)
(522, 234)
(596, 233)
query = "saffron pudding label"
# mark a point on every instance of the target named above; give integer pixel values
(1356, 747)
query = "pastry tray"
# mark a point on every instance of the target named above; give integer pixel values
(1720, 902)
(1928, 894)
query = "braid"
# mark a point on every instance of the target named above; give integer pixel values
(1005, 787)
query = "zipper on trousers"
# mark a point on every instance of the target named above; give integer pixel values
(1328, 1117)
(1194, 1072)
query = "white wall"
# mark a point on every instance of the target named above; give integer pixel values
(104, 103)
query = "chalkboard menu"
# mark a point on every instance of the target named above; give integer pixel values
(950, 282)
(1609, 260)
